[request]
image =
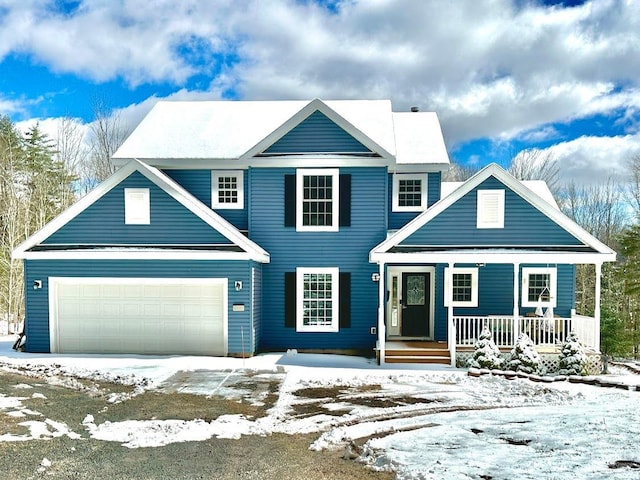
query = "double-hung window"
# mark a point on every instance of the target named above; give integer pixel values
(317, 194)
(137, 209)
(539, 287)
(227, 189)
(317, 297)
(463, 291)
(409, 192)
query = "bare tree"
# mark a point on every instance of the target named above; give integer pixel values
(633, 165)
(458, 172)
(535, 164)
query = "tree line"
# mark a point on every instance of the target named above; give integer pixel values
(39, 178)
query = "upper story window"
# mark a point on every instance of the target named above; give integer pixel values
(490, 210)
(539, 287)
(228, 189)
(317, 197)
(464, 285)
(137, 210)
(409, 192)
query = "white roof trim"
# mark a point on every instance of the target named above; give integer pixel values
(139, 254)
(303, 114)
(493, 256)
(513, 184)
(165, 183)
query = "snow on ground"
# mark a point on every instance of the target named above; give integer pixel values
(424, 422)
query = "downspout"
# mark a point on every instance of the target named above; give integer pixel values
(382, 334)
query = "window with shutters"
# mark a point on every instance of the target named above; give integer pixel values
(317, 194)
(409, 192)
(317, 299)
(227, 189)
(137, 210)
(490, 209)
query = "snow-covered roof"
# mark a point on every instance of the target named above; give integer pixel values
(230, 130)
(538, 186)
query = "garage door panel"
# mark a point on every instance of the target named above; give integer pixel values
(158, 317)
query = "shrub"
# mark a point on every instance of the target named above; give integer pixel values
(573, 360)
(524, 356)
(485, 354)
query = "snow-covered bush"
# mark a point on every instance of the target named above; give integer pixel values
(485, 354)
(573, 360)
(524, 356)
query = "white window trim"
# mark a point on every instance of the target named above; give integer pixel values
(553, 283)
(396, 192)
(474, 287)
(215, 175)
(335, 288)
(483, 197)
(335, 200)
(137, 209)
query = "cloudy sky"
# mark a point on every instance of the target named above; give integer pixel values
(503, 75)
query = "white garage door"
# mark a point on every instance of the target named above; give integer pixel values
(138, 315)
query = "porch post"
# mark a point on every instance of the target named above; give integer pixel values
(452, 327)
(516, 299)
(596, 310)
(382, 334)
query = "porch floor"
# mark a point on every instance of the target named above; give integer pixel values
(416, 351)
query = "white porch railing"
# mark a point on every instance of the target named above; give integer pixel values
(544, 332)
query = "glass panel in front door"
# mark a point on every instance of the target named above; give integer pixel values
(415, 294)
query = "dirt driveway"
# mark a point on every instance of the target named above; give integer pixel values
(54, 409)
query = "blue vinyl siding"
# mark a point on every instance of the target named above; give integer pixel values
(347, 249)
(523, 224)
(102, 223)
(317, 134)
(37, 301)
(398, 220)
(256, 302)
(495, 293)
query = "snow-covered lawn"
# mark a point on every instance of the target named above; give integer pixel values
(427, 422)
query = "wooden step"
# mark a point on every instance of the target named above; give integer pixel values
(446, 360)
(419, 352)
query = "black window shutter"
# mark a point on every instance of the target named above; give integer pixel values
(289, 200)
(345, 200)
(345, 299)
(290, 299)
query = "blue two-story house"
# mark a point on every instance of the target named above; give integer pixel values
(237, 227)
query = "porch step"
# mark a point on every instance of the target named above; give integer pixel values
(430, 359)
(417, 352)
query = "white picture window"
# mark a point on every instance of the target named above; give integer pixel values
(409, 192)
(490, 209)
(539, 286)
(463, 290)
(137, 210)
(227, 189)
(317, 194)
(317, 297)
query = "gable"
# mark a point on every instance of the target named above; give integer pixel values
(317, 134)
(102, 223)
(524, 224)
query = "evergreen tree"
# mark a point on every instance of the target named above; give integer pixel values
(524, 356)
(486, 354)
(573, 360)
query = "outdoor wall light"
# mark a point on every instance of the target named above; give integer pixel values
(37, 284)
(375, 277)
(238, 285)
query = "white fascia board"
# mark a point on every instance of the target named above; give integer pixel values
(275, 161)
(74, 210)
(300, 116)
(512, 183)
(202, 211)
(497, 256)
(141, 254)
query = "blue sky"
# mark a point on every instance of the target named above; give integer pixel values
(503, 75)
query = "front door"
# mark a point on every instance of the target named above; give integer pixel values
(416, 288)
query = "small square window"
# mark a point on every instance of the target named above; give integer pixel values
(464, 285)
(227, 189)
(409, 192)
(137, 210)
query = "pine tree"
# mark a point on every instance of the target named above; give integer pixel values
(486, 354)
(524, 356)
(573, 360)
